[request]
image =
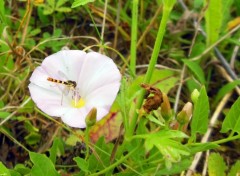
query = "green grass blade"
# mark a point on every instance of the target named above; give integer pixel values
(214, 18)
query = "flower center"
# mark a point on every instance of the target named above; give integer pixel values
(78, 103)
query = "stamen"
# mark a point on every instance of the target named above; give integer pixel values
(77, 101)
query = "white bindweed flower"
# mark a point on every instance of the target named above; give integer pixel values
(70, 83)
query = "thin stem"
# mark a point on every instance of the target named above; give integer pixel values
(149, 27)
(103, 25)
(133, 50)
(13, 113)
(168, 5)
(28, 16)
(179, 89)
(232, 138)
(6, 133)
(95, 26)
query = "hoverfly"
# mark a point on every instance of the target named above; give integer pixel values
(69, 85)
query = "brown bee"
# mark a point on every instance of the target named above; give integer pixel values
(152, 102)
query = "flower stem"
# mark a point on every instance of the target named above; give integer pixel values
(87, 142)
(167, 7)
(133, 49)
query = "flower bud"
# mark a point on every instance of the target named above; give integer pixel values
(91, 117)
(166, 110)
(184, 116)
(194, 96)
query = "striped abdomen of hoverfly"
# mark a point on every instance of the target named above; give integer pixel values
(69, 83)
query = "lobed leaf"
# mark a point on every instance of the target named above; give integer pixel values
(170, 148)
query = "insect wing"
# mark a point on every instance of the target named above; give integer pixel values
(62, 75)
(66, 90)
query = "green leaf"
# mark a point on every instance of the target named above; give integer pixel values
(77, 3)
(28, 125)
(214, 18)
(73, 138)
(198, 48)
(51, 3)
(43, 166)
(2, 13)
(192, 84)
(164, 80)
(32, 138)
(57, 149)
(124, 102)
(196, 69)
(22, 169)
(232, 120)
(3, 170)
(237, 6)
(154, 120)
(34, 32)
(3, 115)
(200, 114)
(48, 10)
(82, 164)
(1, 101)
(226, 10)
(235, 169)
(197, 4)
(176, 168)
(233, 40)
(170, 148)
(226, 89)
(14, 173)
(60, 3)
(64, 9)
(216, 165)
